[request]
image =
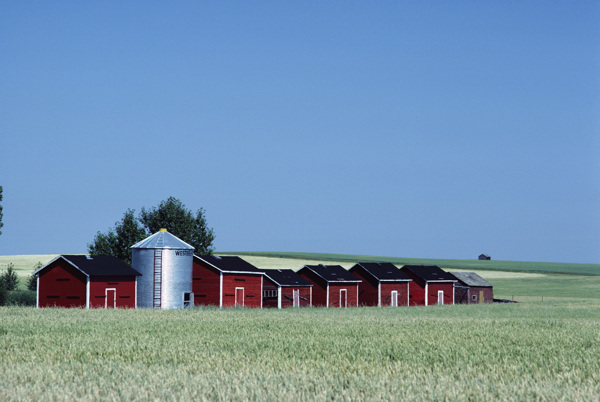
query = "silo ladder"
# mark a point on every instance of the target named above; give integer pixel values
(157, 277)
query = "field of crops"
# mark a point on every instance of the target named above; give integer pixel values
(529, 351)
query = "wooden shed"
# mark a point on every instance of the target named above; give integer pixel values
(333, 286)
(285, 288)
(226, 281)
(430, 285)
(484, 257)
(84, 281)
(472, 289)
(383, 284)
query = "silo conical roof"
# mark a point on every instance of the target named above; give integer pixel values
(163, 239)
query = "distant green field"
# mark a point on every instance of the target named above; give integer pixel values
(530, 351)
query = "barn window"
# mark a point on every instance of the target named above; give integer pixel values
(474, 297)
(100, 297)
(270, 294)
(240, 280)
(112, 283)
(197, 279)
(63, 279)
(197, 295)
(72, 297)
(52, 297)
(124, 297)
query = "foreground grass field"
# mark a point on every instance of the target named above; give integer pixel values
(529, 351)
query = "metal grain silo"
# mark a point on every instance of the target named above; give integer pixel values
(165, 263)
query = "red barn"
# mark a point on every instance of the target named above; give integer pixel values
(84, 281)
(226, 282)
(383, 284)
(285, 288)
(430, 285)
(333, 286)
(472, 289)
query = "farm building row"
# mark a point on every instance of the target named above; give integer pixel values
(166, 274)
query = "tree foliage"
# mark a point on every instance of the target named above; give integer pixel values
(170, 214)
(10, 279)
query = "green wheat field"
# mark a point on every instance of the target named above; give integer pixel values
(531, 350)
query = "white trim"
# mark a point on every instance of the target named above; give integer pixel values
(37, 292)
(87, 293)
(221, 290)
(440, 299)
(311, 296)
(327, 296)
(261, 290)
(135, 292)
(106, 298)
(426, 293)
(407, 294)
(379, 294)
(356, 295)
(235, 296)
(453, 292)
(394, 297)
(294, 293)
(279, 290)
(346, 298)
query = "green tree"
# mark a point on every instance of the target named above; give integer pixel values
(173, 216)
(119, 241)
(1, 224)
(10, 279)
(170, 214)
(32, 281)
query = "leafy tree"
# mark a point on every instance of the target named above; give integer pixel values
(118, 241)
(3, 294)
(32, 281)
(170, 214)
(1, 224)
(10, 279)
(173, 216)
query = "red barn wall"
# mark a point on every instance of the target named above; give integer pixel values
(416, 294)
(368, 293)
(61, 285)
(124, 287)
(304, 291)
(351, 293)
(252, 284)
(269, 302)
(205, 284)
(434, 287)
(319, 289)
(488, 295)
(401, 287)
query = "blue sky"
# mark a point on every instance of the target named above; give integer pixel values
(408, 129)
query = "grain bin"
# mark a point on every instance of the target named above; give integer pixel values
(165, 263)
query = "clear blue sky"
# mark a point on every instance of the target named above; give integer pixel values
(438, 129)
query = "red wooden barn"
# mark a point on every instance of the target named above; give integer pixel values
(84, 281)
(472, 289)
(383, 284)
(226, 281)
(333, 286)
(430, 285)
(285, 288)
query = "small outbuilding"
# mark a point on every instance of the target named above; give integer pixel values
(484, 257)
(86, 281)
(226, 281)
(430, 285)
(383, 284)
(285, 288)
(472, 289)
(333, 286)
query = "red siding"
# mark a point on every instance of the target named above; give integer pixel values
(252, 293)
(434, 287)
(368, 292)
(466, 295)
(319, 289)
(61, 285)
(416, 294)
(124, 288)
(205, 284)
(388, 287)
(336, 298)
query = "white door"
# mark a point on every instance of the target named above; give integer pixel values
(394, 302)
(440, 297)
(296, 297)
(343, 298)
(239, 297)
(110, 300)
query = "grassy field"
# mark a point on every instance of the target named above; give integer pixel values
(529, 351)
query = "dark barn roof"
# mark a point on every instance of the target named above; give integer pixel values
(229, 263)
(285, 277)
(429, 273)
(333, 273)
(385, 271)
(471, 279)
(97, 265)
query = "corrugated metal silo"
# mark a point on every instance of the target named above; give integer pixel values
(165, 263)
